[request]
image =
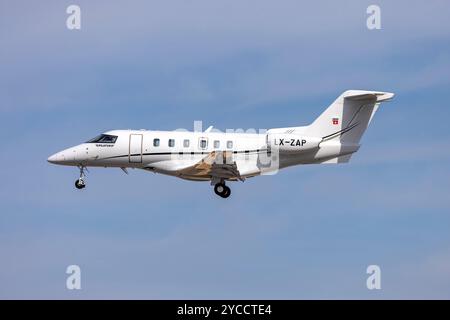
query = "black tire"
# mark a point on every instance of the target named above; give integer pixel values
(219, 189)
(226, 192)
(79, 185)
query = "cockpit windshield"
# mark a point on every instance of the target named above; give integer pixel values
(103, 138)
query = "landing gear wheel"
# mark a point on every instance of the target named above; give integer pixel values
(219, 189)
(222, 190)
(226, 192)
(79, 184)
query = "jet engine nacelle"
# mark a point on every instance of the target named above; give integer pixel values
(292, 143)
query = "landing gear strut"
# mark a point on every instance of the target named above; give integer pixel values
(222, 190)
(79, 183)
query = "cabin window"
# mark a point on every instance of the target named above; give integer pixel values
(203, 143)
(186, 143)
(156, 142)
(230, 144)
(216, 144)
(103, 138)
(171, 143)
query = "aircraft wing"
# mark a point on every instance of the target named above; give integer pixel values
(217, 164)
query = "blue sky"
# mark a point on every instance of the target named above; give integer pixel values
(162, 65)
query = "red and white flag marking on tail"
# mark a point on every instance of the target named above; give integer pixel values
(335, 121)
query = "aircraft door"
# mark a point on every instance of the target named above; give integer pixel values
(135, 148)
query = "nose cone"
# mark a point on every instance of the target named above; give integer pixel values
(57, 158)
(70, 157)
(65, 157)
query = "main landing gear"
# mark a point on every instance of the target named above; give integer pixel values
(79, 183)
(222, 190)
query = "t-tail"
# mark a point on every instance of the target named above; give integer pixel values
(344, 122)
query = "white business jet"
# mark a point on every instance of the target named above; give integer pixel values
(219, 157)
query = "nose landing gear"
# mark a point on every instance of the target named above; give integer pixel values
(80, 183)
(222, 190)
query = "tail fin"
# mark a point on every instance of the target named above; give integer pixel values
(348, 116)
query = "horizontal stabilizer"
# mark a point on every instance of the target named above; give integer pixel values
(373, 96)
